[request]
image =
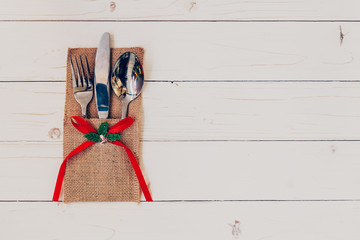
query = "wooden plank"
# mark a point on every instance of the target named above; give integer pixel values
(179, 10)
(36, 51)
(258, 220)
(202, 111)
(205, 170)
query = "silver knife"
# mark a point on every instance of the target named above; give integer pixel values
(101, 80)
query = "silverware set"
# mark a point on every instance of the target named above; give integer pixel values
(127, 79)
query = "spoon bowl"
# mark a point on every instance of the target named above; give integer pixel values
(127, 80)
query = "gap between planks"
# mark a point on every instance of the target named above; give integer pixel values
(204, 81)
(200, 201)
(191, 21)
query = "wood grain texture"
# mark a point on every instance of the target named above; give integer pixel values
(36, 51)
(180, 10)
(213, 220)
(186, 111)
(205, 170)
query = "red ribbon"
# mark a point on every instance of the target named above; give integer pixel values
(81, 125)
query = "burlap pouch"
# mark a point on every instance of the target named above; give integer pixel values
(102, 172)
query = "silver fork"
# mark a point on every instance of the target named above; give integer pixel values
(82, 85)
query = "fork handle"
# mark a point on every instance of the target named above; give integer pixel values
(83, 111)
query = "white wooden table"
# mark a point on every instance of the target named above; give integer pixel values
(252, 114)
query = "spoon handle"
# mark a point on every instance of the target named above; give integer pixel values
(124, 109)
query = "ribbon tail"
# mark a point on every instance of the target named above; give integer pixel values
(137, 170)
(61, 174)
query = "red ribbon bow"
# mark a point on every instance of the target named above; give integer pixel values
(81, 125)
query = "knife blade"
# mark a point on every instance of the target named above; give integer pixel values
(101, 79)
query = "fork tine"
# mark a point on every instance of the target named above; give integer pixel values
(78, 72)
(73, 77)
(83, 77)
(88, 72)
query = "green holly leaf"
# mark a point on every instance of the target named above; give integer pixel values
(94, 137)
(103, 129)
(111, 137)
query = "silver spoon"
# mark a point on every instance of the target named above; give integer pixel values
(127, 80)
